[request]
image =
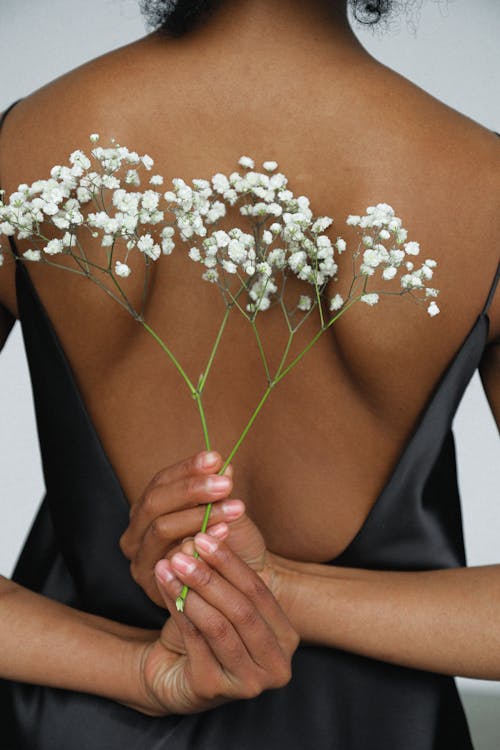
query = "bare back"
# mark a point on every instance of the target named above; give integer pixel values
(322, 449)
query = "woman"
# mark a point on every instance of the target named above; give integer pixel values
(355, 532)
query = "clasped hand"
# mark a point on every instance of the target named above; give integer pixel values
(233, 640)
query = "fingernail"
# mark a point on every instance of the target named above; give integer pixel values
(205, 460)
(183, 563)
(219, 530)
(217, 484)
(233, 508)
(162, 570)
(205, 543)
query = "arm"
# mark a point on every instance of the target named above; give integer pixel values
(445, 621)
(46, 643)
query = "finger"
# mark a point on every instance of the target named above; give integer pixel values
(165, 532)
(203, 664)
(219, 635)
(237, 573)
(231, 610)
(181, 494)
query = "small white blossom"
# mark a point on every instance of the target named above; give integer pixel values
(94, 137)
(336, 302)
(156, 179)
(341, 245)
(32, 254)
(433, 309)
(305, 302)
(389, 273)
(370, 299)
(353, 220)
(412, 248)
(229, 266)
(121, 269)
(247, 162)
(194, 254)
(53, 247)
(270, 166)
(147, 161)
(132, 177)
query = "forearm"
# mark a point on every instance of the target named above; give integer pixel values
(46, 643)
(445, 621)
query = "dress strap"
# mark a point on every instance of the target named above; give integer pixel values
(491, 293)
(6, 111)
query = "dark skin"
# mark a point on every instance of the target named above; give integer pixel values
(349, 133)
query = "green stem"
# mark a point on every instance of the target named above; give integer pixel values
(314, 339)
(204, 376)
(180, 601)
(261, 350)
(285, 354)
(171, 355)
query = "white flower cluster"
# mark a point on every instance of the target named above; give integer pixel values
(60, 199)
(276, 215)
(286, 239)
(385, 248)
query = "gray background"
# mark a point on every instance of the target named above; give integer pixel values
(454, 56)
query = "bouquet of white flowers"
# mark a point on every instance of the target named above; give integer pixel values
(98, 194)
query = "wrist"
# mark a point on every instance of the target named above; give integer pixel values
(281, 577)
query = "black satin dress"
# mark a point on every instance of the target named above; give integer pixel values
(335, 700)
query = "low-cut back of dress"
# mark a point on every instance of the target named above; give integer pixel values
(335, 700)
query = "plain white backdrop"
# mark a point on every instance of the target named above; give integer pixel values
(453, 56)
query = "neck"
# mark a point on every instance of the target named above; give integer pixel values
(243, 26)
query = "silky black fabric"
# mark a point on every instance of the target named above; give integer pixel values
(335, 700)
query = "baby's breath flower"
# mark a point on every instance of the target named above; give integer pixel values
(147, 246)
(353, 220)
(32, 254)
(370, 299)
(305, 302)
(389, 272)
(147, 161)
(121, 269)
(53, 247)
(132, 177)
(94, 137)
(336, 302)
(433, 309)
(270, 166)
(341, 245)
(246, 162)
(156, 179)
(412, 248)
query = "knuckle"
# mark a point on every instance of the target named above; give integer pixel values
(251, 688)
(124, 545)
(204, 575)
(217, 628)
(244, 615)
(256, 588)
(188, 465)
(159, 528)
(149, 501)
(189, 488)
(282, 674)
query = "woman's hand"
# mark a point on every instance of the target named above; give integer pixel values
(172, 508)
(235, 642)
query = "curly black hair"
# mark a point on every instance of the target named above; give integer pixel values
(175, 18)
